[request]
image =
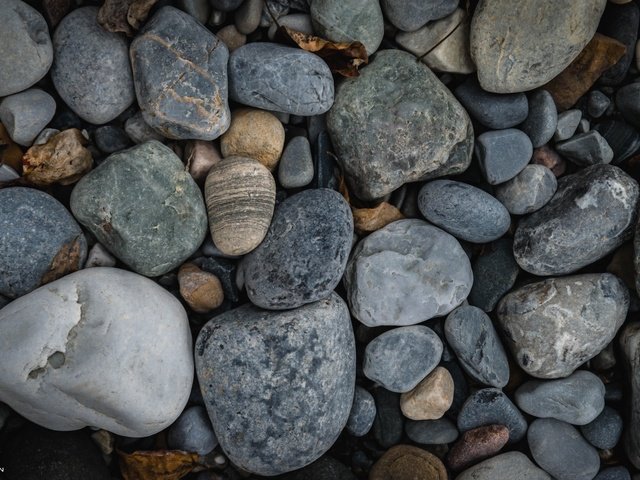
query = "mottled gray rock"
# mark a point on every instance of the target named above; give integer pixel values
(225, 5)
(139, 131)
(304, 253)
(605, 430)
(474, 340)
(389, 423)
(494, 273)
(597, 103)
(586, 149)
(192, 432)
(542, 121)
(25, 114)
(406, 273)
(561, 451)
(81, 46)
(400, 358)
(592, 213)
(39, 241)
(363, 413)
(506, 466)
(431, 432)
(397, 123)
(613, 473)
(247, 17)
(110, 139)
(554, 326)
(96, 340)
(295, 169)
(568, 122)
(519, 49)
(27, 52)
(528, 191)
(298, 377)
(630, 343)
(463, 210)
(503, 154)
(411, 15)
(144, 207)
(283, 79)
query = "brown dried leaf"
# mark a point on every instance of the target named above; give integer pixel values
(124, 16)
(157, 465)
(67, 260)
(368, 220)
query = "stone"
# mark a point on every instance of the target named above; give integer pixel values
(81, 45)
(39, 241)
(273, 10)
(494, 273)
(388, 425)
(561, 451)
(296, 165)
(225, 5)
(180, 74)
(620, 22)
(326, 468)
(410, 16)
(397, 123)
(431, 398)
(8, 174)
(406, 462)
(406, 273)
(201, 290)
(139, 131)
(597, 103)
(99, 256)
(476, 445)
(502, 154)
(200, 156)
(27, 52)
(506, 466)
(89, 359)
(629, 342)
(494, 111)
(298, 370)
(577, 399)
(198, 9)
(555, 325)
(548, 157)
(247, 17)
(110, 139)
(368, 220)
(584, 126)
(594, 209)
(465, 211)
(363, 413)
(567, 124)
(25, 114)
(300, 22)
(586, 149)
(192, 432)
(144, 207)
(400, 358)
(231, 37)
(623, 139)
(519, 49)
(628, 104)
(432, 432)
(605, 430)
(613, 473)
(542, 120)
(471, 335)
(283, 79)
(528, 191)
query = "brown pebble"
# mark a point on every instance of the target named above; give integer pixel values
(201, 290)
(231, 37)
(476, 445)
(548, 157)
(199, 156)
(431, 398)
(405, 462)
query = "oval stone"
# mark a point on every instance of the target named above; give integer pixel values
(506, 466)
(528, 191)
(405, 461)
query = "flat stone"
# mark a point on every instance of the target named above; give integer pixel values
(629, 342)
(388, 425)
(502, 154)
(25, 114)
(406, 462)
(431, 432)
(296, 165)
(620, 22)
(494, 273)
(542, 120)
(623, 139)
(528, 191)
(605, 430)
(598, 103)
(568, 123)
(586, 149)
(613, 473)
(410, 16)
(363, 413)
(431, 398)
(110, 139)
(506, 466)
(192, 432)
(476, 445)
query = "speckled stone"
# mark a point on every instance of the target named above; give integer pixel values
(494, 273)
(506, 466)
(528, 191)
(542, 120)
(502, 154)
(25, 114)
(605, 430)
(298, 370)
(412, 15)
(613, 473)
(431, 432)
(192, 432)
(363, 413)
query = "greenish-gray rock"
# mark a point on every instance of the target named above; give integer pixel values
(506, 466)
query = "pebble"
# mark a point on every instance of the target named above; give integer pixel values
(296, 165)
(548, 157)
(476, 445)
(110, 139)
(198, 9)
(231, 37)
(506, 466)
(201, 290)
(586, 149)
(81, 45)
(139, 131)
(180, 75)
(521, 49)
(465, 211)
(283, 79)
(597, 103)
(225, 5)
(400, 358)
(363, 413)
(542, 120)
(99, 256)
(503, 154)
(431, 398)
(298, 371)
(388, 425)
(300, 22)
(326, 468)
(192, 432)
(623, 139)
(39, 241)
(144, 207)
(577, 399)
(25, 114)
(628, 103)
(528, 191)
(494, 273)
(432, 432)
(226, 272)
(8, 174)
(471, 335)
(397, 123)
(79, 366)
(200, 156)
(410, 16)
(613, 473)
(629, 341)
(593, 209)
(561, 451)
(555, 325)
(247, 17)
(620, 22)
(567, 124)
(605, 430)
(406, 273)
(406, 462)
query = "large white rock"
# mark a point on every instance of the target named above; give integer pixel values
(101, 347)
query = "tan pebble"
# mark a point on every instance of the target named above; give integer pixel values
(476, 445)
(199, 156)
(254, 134)
(431, 398)
(231, 37)
(201, 290)
(405, 462)
(367, 220)
(548, 157)
(240, 195)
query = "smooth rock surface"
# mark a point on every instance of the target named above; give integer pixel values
(407, 462)
(494, 273)
(363, 413)
(623, 139)
(388, 425)
(192, 432)
(476, 445)
(528, 191)
(605, 430)
(613, 473)
(542, 120)
(296, 165)
(586, 149)
(506, 466)
(567, 124)
(431, 398)
(503, 154)
(25, 114)
(431, 432)
(412, 15)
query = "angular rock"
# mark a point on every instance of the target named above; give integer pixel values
(476, 445)
(25, 114)
(192, 432)
(431, 398)
(586, 149)
(605, 430)
(542, 120)
(431, 432)
(503, 154)
(494, 273)
(363, 413)
(296, 165)
(597, 103)
(506, 466)
(568, 123)
(410, 16)
(404, 461)
(528, 191)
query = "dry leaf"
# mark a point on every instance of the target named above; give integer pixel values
(124, 16)
(10, 152)
(67, 260)
(157, 465)
(367, 220)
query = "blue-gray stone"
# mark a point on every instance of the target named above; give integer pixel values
(326, 468)
(506, 466)
(389, 423)
(110, 139)
(295, 169)
(411, 15)
(503, 154)
(463, 210)
(25, 114)
(542, 121)
(586, 149)
(192, 432)
(363, 413)
(567, 124)
(605, 430)
(597, 103)
(528, 191)
(623, 139)
(431, 432)
(460, 387)
(494, 273)
(613, 473)
(225, 5)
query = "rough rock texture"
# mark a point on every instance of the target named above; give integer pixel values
(605, 430)
(507, 466)
(25, 114)
(630, 343)
(298, 377)
(528, 191)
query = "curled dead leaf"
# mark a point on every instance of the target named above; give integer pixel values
(158, 464)
(368, 220)
(125, 16)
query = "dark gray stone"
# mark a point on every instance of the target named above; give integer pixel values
(110, 139)
(568, 122)
(591, 214)
(605, 430)
(39, 241)
(304, 254)
(25, 114)
(275, 9)
(586, 149)
(363, 413)
(326, 468)
(431, 432)
(198, 9)
(463, 210)
(225, 5)
(621, 23)
(506, 466)
(502, 154)
(411, 15)
(473, 338)
(542, 121)
(296, 164)
(629, 342)
(91, 69)
(192, 432)
(284, 79)
(613, 473)
(494, 273)
(623, 139)
(397, 123)
(139, 131)
(460, 386)
(180, 74)
(389, 423)
(598, 102)
(400, 358)
(628, 102)
(561, 451)
(528, 191)
(298, 377)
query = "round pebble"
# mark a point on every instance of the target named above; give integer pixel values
(363, 413)
(431, 398)
(507, 466)
(25, 114)
(431, 432)
(503, 154)
(528, 191)
(201, 290)
(405, 462)
(605, 430)
(296, 165)
(192, 432)
(542, 120)
(476, 445)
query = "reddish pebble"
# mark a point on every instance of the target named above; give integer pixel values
(548, 157)
(476, 445)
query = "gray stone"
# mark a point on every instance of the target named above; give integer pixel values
(584, 126)
(554, 326)
(586, 149)
(283, 79)
(25, 114)
(463, 210)
(567, 124)
(247, 17)
(431, 432)
(389, 423)
(503, 154)
(629, 343)
(192, 432)
(39, 241)
(400, 358)
(605, 430)
(628, 102)
(296, 164)
(506, 466)
(613, 473)
(300, 22)
(494, 273)
(110, 139)
(298, 378)
(106, 348)
(363, 413)
(542, 121)
(225, 5)
(519, 49)
(27, 52)
(180, 74)
(143, 207)
(528, 191)
(326, 468)
(139, 131)
(621, 23)
(274, 9)
(561, 451)
(397, 123)
(474, 340)
(198, 9)
(8, 174)
(99, 257)
(81, 46)
(304, 254)
(411, 15)
(406, 273)
(591, 214)
(597, 103)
